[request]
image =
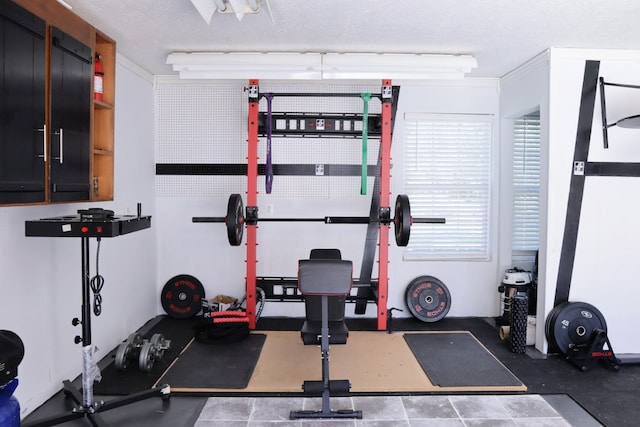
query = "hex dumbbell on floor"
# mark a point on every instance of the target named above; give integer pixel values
(146, 352)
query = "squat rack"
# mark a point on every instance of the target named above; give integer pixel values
(377, 232)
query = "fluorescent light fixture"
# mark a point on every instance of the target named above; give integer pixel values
(396, 66)
(245, 65)
(320, 66)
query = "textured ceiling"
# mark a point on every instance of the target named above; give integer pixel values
(501, 34)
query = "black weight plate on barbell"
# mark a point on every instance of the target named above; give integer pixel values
(182, 296)
(573, 323)
(235, 219)
(428, 298)
(402, 220)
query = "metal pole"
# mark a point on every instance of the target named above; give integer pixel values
(87, 386)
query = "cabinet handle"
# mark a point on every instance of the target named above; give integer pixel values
(44, 142)
(61, 146)
(61, 140)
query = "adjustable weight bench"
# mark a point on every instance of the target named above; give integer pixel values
(338, 332)
(325, 279)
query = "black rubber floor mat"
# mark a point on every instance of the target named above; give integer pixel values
(132, 380)
(458, 360)
(215, 366)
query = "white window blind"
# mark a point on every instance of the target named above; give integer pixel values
(526, 185)
(448, 175)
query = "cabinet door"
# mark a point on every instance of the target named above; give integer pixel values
(22, 105)
(71, 74)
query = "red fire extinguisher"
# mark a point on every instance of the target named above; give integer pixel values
(97, 78)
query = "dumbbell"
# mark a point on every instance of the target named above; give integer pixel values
(147, 352)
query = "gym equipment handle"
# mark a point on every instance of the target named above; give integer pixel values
(208, 219)
(428, 220)
(326, 220)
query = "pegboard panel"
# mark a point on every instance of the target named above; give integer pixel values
(318, 151)
(199, 185)
(315, 187)
(198, 123)
(207, 123)
(301, 104)
(321, 152)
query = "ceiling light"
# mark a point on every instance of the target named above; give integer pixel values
(320, 66)
(396, 66)
(244, 65)
(206, 8)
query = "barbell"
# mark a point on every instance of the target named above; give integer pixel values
(237, 217)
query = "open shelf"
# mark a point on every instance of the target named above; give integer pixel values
(101, 105)
(103, 122)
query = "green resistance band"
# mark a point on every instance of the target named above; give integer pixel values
(366, 97)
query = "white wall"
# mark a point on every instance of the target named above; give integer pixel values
(40, 288)
(606, 252)
(473, 284)
(524, 91)
(203, 251)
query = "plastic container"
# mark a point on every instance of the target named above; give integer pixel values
(9, 405)
(515, 282)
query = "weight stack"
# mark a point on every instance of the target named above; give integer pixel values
(518, 323)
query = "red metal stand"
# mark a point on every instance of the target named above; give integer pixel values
(252, 199)
(385, 179)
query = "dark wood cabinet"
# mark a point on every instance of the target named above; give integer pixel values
(23, 143)
(70, 131)
(56, 140)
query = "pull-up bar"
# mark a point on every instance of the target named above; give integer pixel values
(631, 122)
(321, 95)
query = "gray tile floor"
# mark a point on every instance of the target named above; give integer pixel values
(398, 411)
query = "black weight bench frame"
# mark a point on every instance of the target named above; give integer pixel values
(325, 278)
(311, 329)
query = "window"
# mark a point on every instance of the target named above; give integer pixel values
(526, 186)
(448, 175)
